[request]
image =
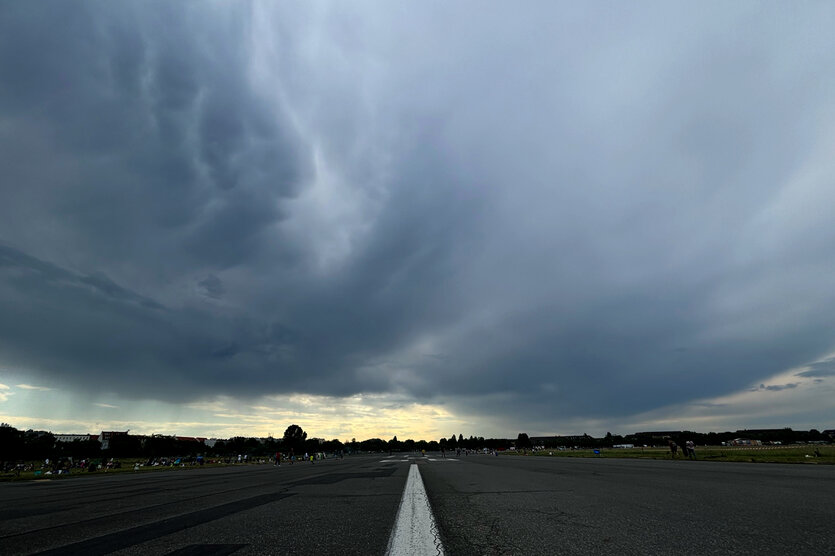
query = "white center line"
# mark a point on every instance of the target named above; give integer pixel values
(415, 532)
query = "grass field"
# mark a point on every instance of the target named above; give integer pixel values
(126, 467)
(756, 454)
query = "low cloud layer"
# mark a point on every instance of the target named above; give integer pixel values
(556, 212)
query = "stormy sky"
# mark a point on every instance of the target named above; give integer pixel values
(523, 216)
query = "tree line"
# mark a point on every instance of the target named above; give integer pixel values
(766, 436)
(17, 445)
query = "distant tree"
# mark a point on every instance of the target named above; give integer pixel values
(158, 445)
(240, 445)
(79, 448)
(522, 441)
(123, 446)
(333, 446)
(294, 438)
(219, 449)
(272, 445)
(394, 445)
(313, 445)
(11, 443)
(373, 445)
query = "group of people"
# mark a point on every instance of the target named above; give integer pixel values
(688, 449)
(292, 457)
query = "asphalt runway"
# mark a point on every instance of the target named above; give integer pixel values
(481, 504)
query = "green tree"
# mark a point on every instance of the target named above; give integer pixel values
(294, 438)
(394, 445)
(11, 443)
(124, 446)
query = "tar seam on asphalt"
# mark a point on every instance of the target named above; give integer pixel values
(122, 539)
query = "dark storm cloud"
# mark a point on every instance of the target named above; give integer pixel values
(580, 212)
(777, 387)
(212, 286)
(137, 119)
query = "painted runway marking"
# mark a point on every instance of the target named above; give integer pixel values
(409, 459)
(415, 531)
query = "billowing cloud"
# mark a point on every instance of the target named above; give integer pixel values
(550, 213)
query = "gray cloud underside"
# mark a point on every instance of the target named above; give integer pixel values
(587, 215)
(819, 369)
(778, 387)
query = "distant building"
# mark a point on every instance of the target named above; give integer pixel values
(199, 439)
(107, 435)
(74, 437)
(745, 442)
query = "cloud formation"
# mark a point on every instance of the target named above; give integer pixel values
(778, 387)
(32, 387)
(552, 213)
(819, 369)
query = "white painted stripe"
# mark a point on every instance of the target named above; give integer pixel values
(415, 532)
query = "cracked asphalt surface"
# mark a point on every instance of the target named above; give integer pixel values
(534, 505)
(482, 505)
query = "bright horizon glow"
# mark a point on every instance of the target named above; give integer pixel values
(771, 404)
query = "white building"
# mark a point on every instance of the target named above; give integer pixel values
(74, 437)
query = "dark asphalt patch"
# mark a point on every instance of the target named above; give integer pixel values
(14, 513)
(207, 550)
(73, 502)
(332, 478)
(130, 537)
